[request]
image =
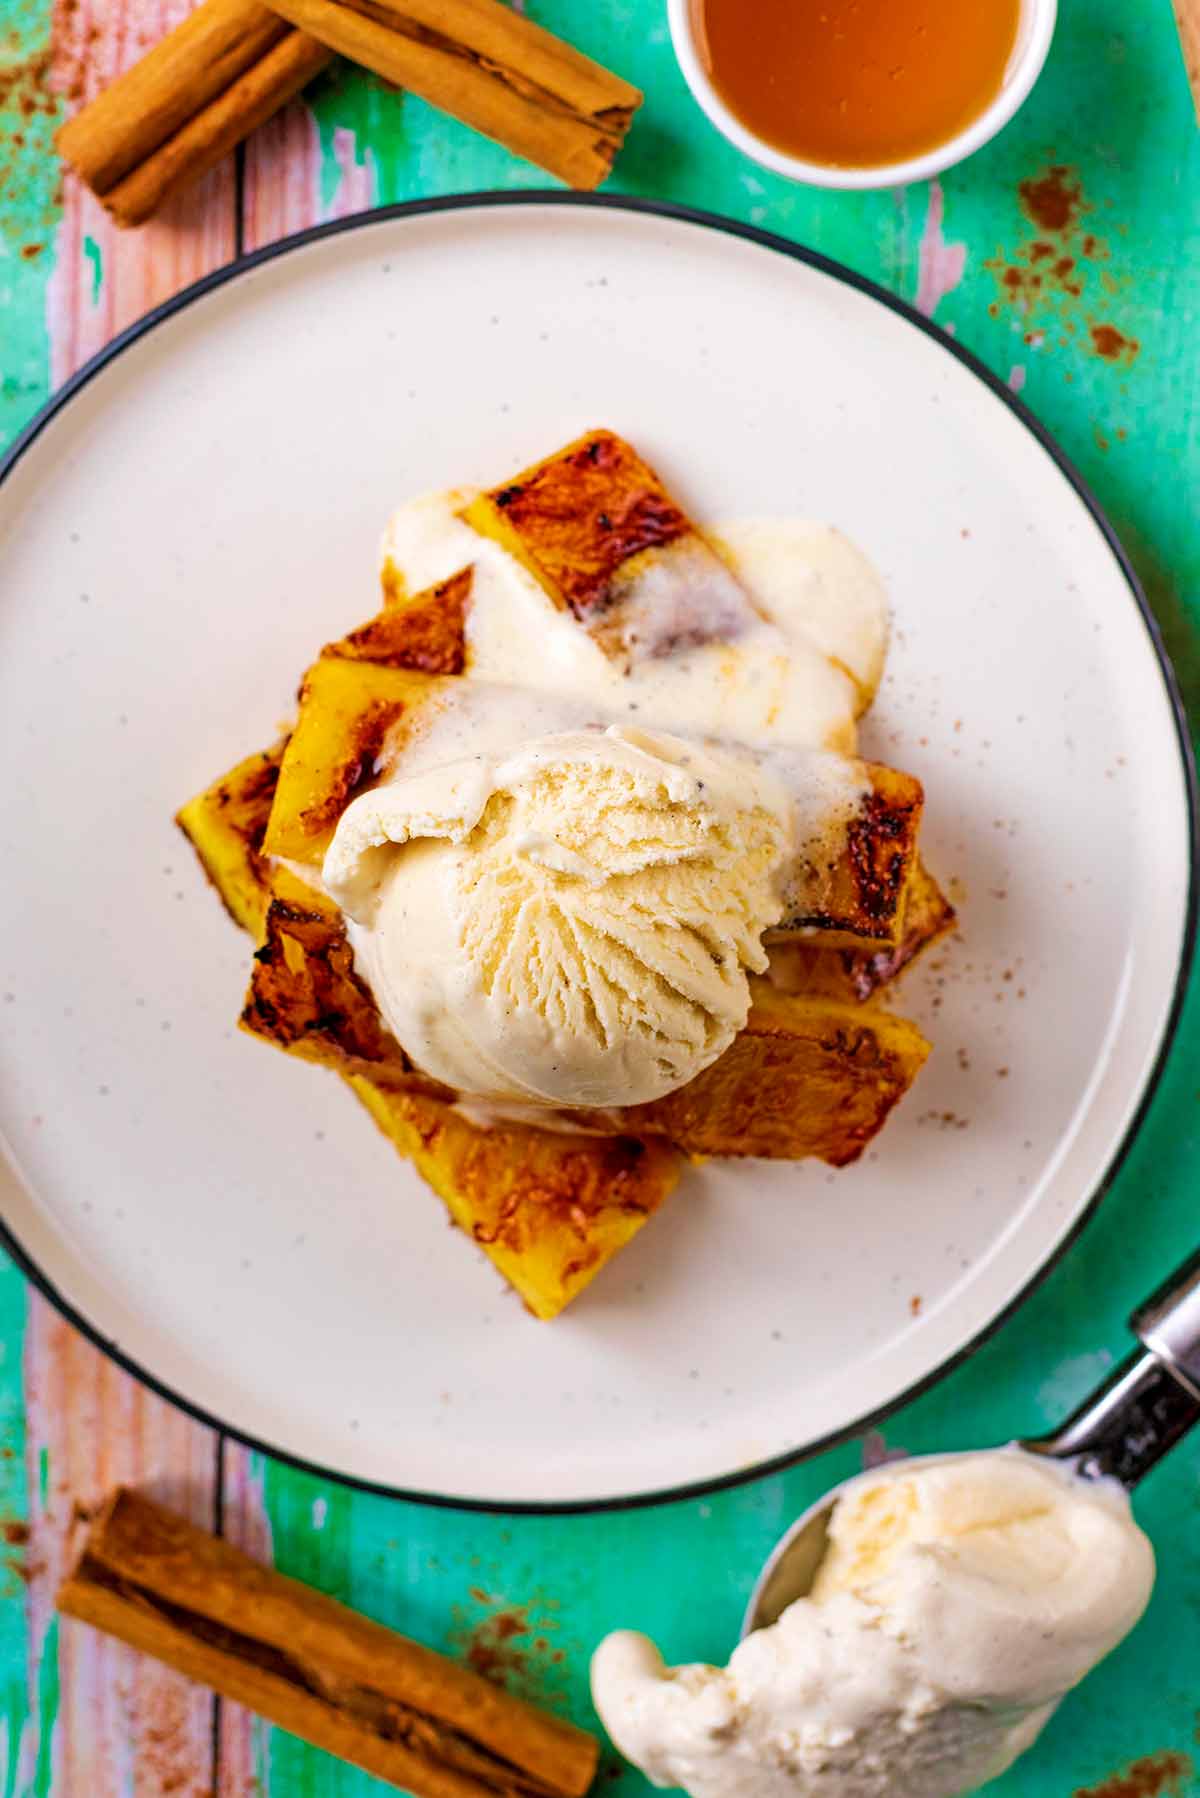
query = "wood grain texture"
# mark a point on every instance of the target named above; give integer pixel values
(291, 183)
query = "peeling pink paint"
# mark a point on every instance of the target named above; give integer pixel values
(283, 177)
(877, 1452)
(1016, 376)
(940, 265)
(356, 188)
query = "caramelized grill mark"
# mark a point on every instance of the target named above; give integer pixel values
(314, 992)
(585, 514)
(245, 809)
(428, 635)
(877, 842)
(365, 740)
(226, 824)
(866, 972)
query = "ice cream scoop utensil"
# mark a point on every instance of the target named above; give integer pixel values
(1120, 1432)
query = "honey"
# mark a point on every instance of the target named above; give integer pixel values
(856, 83)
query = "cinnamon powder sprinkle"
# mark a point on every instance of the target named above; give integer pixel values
(1054, 200)
(1112, 344)
(1047, 276)
(1151, 1777)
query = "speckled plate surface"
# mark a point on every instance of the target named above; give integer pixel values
(203, 508)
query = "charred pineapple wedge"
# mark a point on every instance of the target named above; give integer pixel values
(597, 528)
(226, 825)
(549, 1209)
(800, 965)
(859, 900)
(426, 632)
(351, 712)
(808, 1076)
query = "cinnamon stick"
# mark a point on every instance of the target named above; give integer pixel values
(232, 63)
(489, 66)
(177, 112)
(314, 1667)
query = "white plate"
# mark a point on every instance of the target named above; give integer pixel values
(204, 509)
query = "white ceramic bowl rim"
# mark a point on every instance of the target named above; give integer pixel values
(1035, 32)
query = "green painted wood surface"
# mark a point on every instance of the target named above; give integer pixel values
(526, 1597)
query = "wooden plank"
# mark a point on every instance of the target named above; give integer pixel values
(290, 183)
(107, 1723)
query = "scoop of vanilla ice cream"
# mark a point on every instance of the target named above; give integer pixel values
(570, 925)
(959, 1601)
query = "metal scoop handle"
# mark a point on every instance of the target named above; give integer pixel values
(1153, 1398)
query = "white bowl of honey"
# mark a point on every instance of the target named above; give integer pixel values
(860, 93)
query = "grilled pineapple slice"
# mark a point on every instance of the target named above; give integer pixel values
(855, 974)
(550, 1210)
(306, 997)
(226, 825)
(808, 1076)
(597, 528)
(858, 901)
(426, 632)
(351, 713)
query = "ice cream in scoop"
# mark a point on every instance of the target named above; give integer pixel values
(959, 1601)
(571, 924)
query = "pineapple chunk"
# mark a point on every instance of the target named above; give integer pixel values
(225, 826)
(306, 998)
(808, 1076)
(351, 712)
(362, 695)
(427, 633)
(550, 1210)
(859, 901)
(854, 974)
(597, 528)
